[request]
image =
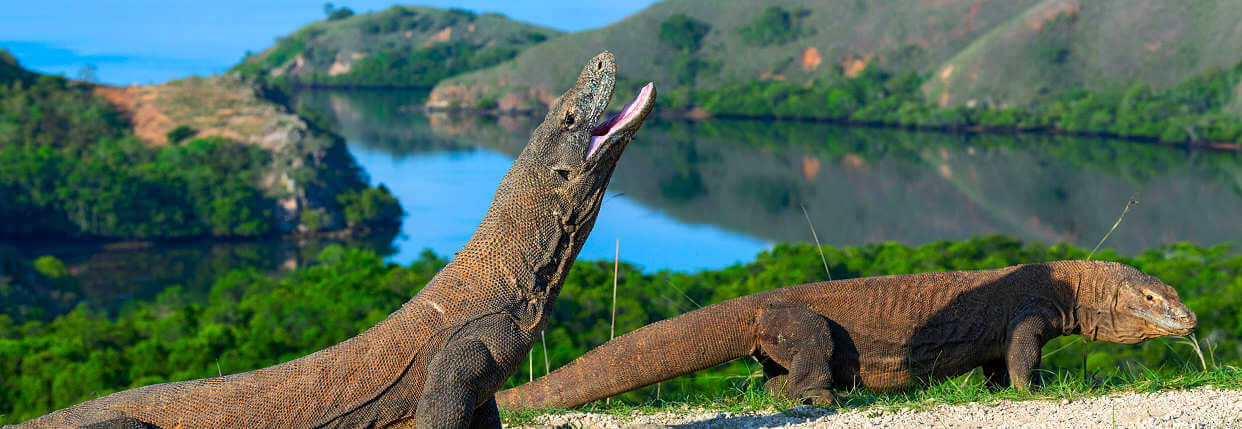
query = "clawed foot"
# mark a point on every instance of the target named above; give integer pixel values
(819, 397)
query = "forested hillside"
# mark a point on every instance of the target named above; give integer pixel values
(1143, 69)
(401, 46)
(190, 158)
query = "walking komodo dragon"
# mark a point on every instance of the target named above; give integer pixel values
(438, 360)
(884, 333)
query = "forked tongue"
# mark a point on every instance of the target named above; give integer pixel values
(618, 122)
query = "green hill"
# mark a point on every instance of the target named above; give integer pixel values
(402, 46)
(705, 44)
(1065, 44)
(11, 71)
(189, 158)
(1146, 69)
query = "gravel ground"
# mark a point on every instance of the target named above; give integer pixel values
(1202, 407)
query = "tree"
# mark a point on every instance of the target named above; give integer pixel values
(683, 32)
(334, 14)
(88, 73)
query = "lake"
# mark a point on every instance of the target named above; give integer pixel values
(707, 194)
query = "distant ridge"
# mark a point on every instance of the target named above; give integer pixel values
(401, 46)
(1148, 69)
(1006, 53)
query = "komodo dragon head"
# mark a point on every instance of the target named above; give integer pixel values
(547, 203)
(1119, 303)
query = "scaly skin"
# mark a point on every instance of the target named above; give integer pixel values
(884, 333)
(438, 360)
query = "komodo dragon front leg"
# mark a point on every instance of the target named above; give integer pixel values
(1023, 348)
(461, 379)
(1021, 352)
(795, 347)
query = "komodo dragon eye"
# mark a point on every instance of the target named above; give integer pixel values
(1149, 298)
(569, 118)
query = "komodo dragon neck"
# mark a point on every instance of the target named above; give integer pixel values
(506, 276)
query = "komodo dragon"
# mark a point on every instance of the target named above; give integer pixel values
(884, 333)
(438, 360)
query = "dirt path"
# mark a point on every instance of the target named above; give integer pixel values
(1202, 407)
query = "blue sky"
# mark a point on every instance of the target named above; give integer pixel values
(145, 41)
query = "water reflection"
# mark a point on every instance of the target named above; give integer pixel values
(747, 180)
(107, 276)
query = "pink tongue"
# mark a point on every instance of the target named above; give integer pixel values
(596, 141)
(620, 120)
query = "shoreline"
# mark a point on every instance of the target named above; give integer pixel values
(691, 116)
(127, 244)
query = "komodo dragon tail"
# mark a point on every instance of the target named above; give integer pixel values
(660, 351)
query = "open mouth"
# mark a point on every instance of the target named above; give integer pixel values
(620, 121)
(1182, 332)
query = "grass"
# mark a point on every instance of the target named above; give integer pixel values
(965, 389)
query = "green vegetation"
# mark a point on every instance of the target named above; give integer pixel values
(121, 188)
(70, 167)
(398, 47)
(335, 14)
(1195, 111)
(369, 206)
(683, 33)
(181, 132)
(775, 26)
(417, 68)
(251, 320)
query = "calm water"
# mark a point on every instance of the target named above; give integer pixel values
(690, 196)
(707, 194)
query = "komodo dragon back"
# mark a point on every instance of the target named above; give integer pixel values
(438, 360)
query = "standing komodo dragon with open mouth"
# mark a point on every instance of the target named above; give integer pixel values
(437, 361)
(884, 333)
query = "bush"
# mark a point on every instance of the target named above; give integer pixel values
(487, 103)
(51, 267)
(775, 25)
(340, 14)
(182, 132)
(683, 32)
(369, 206)
(418, 68)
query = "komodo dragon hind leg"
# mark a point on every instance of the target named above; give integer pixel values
(487, 416)
(997, 374)
(797, 346)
